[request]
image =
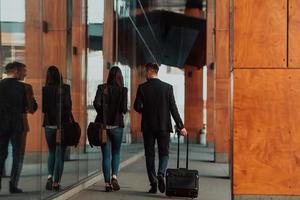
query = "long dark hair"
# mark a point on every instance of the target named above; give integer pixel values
(53, 77)
(115, 77)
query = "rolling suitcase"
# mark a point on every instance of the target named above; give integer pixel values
(182, 182)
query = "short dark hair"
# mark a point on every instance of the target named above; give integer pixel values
(152, 66)
(14, 65)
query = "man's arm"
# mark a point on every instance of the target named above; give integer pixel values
(25, 101)
(32, 104)
(175, 113)
(138, 103)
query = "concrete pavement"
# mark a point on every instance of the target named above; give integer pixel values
(214, 182)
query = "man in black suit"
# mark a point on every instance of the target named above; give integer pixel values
(13, 105)
(155, 101)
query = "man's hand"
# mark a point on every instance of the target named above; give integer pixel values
(183, 132)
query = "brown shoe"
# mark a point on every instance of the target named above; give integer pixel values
(115, 184)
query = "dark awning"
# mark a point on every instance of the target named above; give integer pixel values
(170, 42)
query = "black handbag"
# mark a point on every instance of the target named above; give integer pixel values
(182, 182)
(96, 132)
(71, 133)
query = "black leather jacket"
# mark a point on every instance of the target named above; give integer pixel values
(56, 105)
(114, 103)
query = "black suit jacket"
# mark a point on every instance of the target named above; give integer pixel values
(155, 101)
(13, 105)
(56, 105)
(115, 105)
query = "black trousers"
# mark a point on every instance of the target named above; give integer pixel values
(163, 143)
(18, 141)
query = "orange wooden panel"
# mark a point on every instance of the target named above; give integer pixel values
(266, 132)
(260, 34)
(293, 119)
(222, 15)
(78, 68)
(33, 39)
(135, 118)
(108, 30)
(222, 109)
(77, 12)
(294, 34)
(210, 102)
(193, 107)
(55, 14)
(55, 50)
(210, 73)
(222, 54)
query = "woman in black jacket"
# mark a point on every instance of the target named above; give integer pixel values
(111, 104)
(57, 106)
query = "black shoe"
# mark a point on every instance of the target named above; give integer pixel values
(108, 188)
(14, 189)
(0, 183)
(49, 184)
(153, 189)
(115, 184)
(161, 183)
(56, 187)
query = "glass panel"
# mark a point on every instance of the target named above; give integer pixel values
(95, 72)
(25, 140)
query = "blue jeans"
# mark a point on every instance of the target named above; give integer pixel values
(56, 155)
(111, 153)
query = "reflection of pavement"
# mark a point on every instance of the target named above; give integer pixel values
(214, 181)
(33, 177)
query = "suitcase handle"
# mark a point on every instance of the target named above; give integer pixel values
(187, 148)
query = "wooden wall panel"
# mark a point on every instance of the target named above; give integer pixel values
(222, 15)
(54, 13)
(222, 80)
(78, 66)
(222, 109)
(35, 71)
(292, 108)
(210, 72)
(55, 50)
(193, 78)
(260, 33)
(294, 32)
(137, 77)
(193, 108)
(266, 132)
(108, 32)
(222, 55)
(33, 39)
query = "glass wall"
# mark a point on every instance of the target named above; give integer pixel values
(24, 148)
(32, 34)
(95, 75)
(69, 36)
